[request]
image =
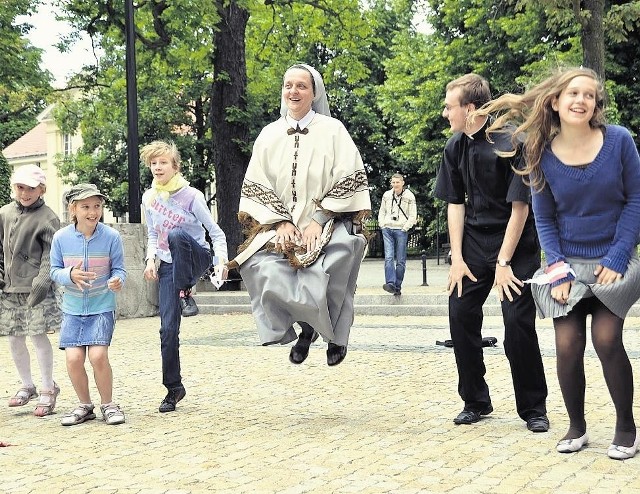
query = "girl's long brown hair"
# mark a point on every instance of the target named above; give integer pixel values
(536, 122)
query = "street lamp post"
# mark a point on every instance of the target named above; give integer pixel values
(132, 114)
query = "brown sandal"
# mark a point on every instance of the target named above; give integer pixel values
(23, 396)
(47, 402)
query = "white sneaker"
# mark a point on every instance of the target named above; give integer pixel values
(112, 414)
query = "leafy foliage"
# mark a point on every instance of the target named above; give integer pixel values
(495, 40)
(23, 85)
(5, 185)
(173, 56)
(513, 44)
(385, 79)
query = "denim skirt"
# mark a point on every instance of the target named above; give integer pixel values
(94, 329)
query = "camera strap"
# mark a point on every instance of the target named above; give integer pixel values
(399, 203)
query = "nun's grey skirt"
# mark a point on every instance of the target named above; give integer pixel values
(320, 295)
(618, 297)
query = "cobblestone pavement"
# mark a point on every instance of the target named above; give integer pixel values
(381, 422)
(252, 422)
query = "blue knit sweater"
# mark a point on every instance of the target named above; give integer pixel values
(591, 212)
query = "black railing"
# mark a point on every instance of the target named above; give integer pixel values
(419, 242)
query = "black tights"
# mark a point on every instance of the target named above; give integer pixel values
(606, 335)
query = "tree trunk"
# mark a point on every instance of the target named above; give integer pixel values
(228, 99)
(593, 37)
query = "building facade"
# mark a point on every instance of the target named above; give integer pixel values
(44, 146)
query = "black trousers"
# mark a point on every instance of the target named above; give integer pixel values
(480, 250)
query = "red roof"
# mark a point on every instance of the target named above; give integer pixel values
(33, 143)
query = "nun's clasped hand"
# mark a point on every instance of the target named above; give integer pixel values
(286, 232)
(311, 236)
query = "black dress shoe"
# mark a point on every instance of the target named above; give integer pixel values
(538, 424)
(299, 352)
(471, 416)
(173, 397)
(335, 354)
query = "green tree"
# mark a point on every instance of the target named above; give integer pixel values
(599, 24)
(191, 89)
(597, 34)
(357, 102)
(493, 39)
(23, 85)
(622, 69)
(348, 44)
(512, 43)
(228, 117)
(5, 185)
(174, 77)
(607, 33)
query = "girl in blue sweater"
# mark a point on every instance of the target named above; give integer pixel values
(87, 258)
(585, 181)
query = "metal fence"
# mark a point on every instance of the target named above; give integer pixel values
(419, 242)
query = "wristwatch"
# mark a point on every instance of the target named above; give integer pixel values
(503, 263)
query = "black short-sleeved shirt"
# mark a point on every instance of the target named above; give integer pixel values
(471, 173)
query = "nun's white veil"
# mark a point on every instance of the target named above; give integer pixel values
(320, 103)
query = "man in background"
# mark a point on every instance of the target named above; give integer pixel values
(398, 213)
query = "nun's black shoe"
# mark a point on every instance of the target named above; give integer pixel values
(335, 354)
(300, 351)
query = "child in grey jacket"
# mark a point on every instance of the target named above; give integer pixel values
(27, 302)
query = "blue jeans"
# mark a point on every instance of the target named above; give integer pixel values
(190, 260)
(395, 247)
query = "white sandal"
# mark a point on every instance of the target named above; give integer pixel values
(112, 414)
(81, 414)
